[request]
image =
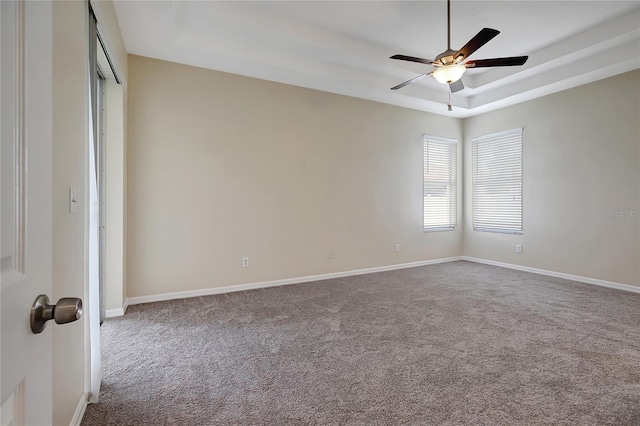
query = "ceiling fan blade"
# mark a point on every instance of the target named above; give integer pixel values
(497, 62)
(411, 59)
(456, 86)
(476, 42)
(401, 85)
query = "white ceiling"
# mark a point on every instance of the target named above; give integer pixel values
(344, 46)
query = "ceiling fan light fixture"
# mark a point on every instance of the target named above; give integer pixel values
(449, 73)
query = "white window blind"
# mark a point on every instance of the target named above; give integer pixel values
(497, 182)
(440, 165)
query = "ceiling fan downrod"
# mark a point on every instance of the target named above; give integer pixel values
(450, 65)
(448, 24)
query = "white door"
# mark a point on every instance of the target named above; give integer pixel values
(26, 234)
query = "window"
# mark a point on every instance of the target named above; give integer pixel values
(440, 165)
(497, 182)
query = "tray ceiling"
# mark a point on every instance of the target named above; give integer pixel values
(344, 47)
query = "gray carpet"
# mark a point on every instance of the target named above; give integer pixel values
(455, 343)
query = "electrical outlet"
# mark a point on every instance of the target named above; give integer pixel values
(245, 262)
(397, 248)
(331, 254)
(518, 248)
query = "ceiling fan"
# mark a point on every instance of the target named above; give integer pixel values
(450, 65)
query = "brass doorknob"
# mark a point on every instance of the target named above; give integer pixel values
(68, 309)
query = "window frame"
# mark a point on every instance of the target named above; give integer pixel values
(515, 137)
(451, 184)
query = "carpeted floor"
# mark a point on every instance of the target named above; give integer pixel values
(455, 343)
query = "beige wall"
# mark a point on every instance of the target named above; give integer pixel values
(70, 79)
(70, 168)
(581, 158)
(222, 166)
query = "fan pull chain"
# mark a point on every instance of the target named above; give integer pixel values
(449, 107)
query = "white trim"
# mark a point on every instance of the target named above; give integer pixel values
(250, 286)
(19, 141)
(105, 33)
(80, 409)
(452, 141)
(586, 280)
(117, 312)
(110, 313)
(518, 130)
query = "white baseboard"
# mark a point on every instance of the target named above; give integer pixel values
(118, 312)
(80, 409)
(298, 280)
(250, 286)
(586, 280)
(110, 313)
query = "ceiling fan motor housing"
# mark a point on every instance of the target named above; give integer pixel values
(449, 64)
(446, 57)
